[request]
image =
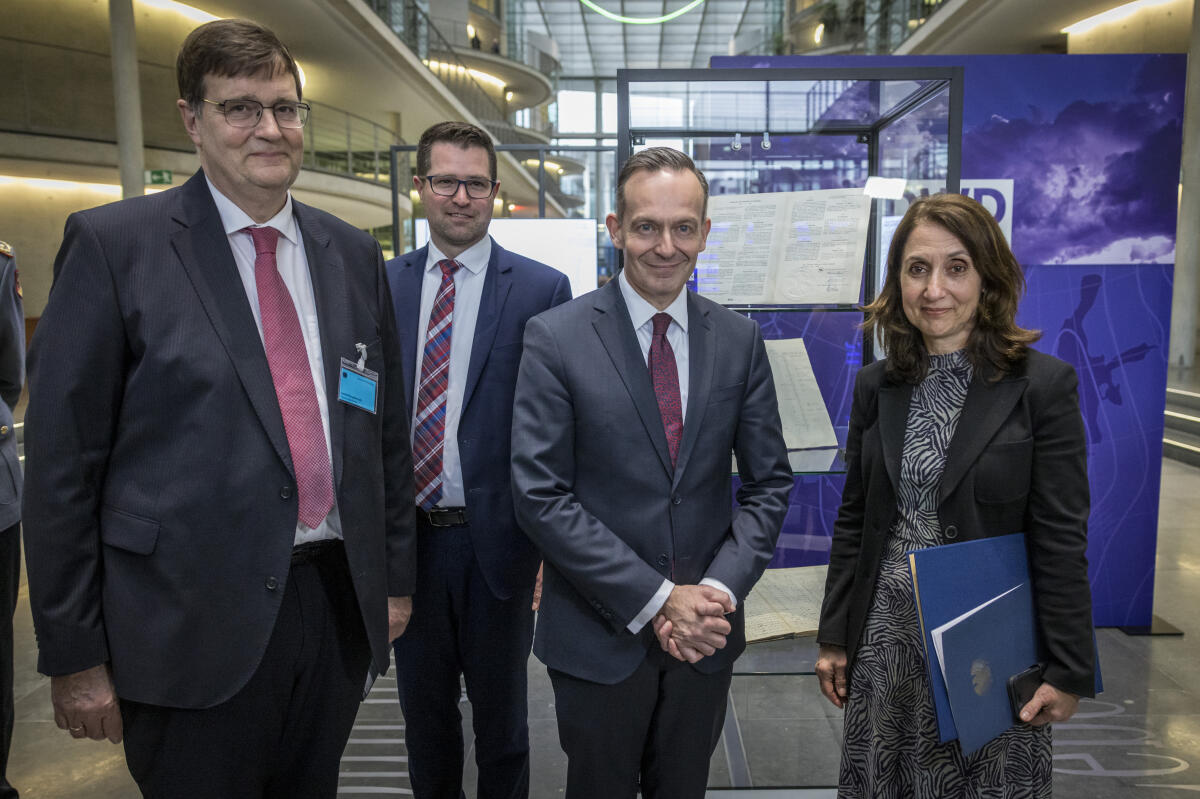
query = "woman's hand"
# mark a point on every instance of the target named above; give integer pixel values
(831, 671)
(1048, 704)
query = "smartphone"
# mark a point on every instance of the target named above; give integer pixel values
(1021, 688)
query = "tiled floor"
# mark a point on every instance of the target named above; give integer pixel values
(1139, 739)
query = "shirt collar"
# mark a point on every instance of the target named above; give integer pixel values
(474, 259)
(234, 219)
(641, 311)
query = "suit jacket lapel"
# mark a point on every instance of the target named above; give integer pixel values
(203, 250)
(985, 408)
(702, 354)
(406, 298)
(615, 328)
(328, 275)
(893, 416)
(496, 285)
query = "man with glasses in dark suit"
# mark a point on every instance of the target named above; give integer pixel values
(219, 488)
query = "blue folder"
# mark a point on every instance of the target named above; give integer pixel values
(950, 580)
(980, 653)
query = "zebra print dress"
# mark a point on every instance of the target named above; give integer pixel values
(890, 746)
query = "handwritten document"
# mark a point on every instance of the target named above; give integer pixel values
(806, 423)
(791, 248)
(785, 603)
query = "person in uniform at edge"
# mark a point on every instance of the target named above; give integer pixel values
(630, 402)
(12, 377)
(461, 306)
(220, 532)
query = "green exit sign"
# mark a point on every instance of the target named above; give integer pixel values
(158, 177)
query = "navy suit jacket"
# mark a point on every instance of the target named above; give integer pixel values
(515, 288)
(159, 499)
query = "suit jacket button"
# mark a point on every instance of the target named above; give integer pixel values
(3, 429)
(676, 500)
(272, 583)
(663, 560)
(952, 531)
(285, 492)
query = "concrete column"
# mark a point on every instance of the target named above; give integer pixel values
(127, 97)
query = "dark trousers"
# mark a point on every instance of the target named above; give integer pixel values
(10, 579)
(656, 729)
(283, 734)
(459, 627)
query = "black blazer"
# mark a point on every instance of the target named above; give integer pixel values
(1017, 462)
(159, 503)
(515, 288)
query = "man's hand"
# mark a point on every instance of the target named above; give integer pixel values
(831, 671)
(399, 612)
(1049, 704)
(537, 588)
(694, 617)
(86, 704)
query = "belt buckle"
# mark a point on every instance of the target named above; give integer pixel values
(444, 517)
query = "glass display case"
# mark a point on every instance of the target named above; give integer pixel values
(894, 133)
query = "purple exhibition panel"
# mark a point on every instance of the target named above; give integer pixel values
(1078, 156)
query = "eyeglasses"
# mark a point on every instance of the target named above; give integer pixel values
(447, 186)
(247, 113)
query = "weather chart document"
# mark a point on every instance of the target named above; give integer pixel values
(787, 248)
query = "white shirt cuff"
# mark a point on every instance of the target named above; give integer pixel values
(653, 606)
(720, 586)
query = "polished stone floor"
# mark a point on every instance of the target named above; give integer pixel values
(781, 741)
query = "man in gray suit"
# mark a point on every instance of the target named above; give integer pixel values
(12, 375)
(629, 403)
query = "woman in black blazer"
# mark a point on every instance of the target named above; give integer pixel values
(962, 433)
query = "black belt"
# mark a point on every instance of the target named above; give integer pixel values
(315, 550)
(443, 517)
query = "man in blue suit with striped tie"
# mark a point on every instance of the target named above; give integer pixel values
(461, 305)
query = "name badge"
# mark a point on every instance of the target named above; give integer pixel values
(358, 385)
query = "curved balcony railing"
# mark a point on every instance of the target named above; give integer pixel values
(336, 141)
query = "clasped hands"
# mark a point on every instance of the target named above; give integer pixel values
(691, 624)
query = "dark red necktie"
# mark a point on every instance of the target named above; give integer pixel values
(294, 388)
(665, 375)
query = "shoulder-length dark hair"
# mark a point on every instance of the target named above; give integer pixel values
(996, 344)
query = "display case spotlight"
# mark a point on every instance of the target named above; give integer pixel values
(766, 142)
(737, 142)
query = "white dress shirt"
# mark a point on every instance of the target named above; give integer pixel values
(293, 268)
(641, 313)
(468, 291)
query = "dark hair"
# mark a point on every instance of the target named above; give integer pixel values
(656, 159)
(995, 343)
(461, 134)
(230, 48)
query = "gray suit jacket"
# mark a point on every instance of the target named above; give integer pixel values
(595, 490)
(12, 376)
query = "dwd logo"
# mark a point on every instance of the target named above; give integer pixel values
(996, 196)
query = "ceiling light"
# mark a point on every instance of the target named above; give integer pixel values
(1112, 15)
(485, 77)
(508, 96)
(819, 33)
(641, 20)
(470, 31)
(194, 14)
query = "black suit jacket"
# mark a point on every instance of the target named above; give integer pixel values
(515, 288)
(1017, 462)
(159, 494)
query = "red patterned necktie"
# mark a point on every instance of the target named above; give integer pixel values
(290, 371)
(429, 426)
(665, 375)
